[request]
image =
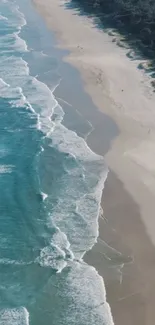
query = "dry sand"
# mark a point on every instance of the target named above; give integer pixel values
(123, 92)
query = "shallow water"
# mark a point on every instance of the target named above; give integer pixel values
(51, 186)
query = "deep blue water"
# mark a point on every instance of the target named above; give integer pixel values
(50, 187)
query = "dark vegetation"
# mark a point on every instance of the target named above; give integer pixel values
(133, 18)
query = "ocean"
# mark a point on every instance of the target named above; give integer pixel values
(50, 186)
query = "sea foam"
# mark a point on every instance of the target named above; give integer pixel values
(77, 194)
(89, 172)
(15, 316)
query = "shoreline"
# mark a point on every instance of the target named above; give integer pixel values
(126, 158)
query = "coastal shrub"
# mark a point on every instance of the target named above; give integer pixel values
(136, 18)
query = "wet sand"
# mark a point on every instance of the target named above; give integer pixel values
(122, 92)
(130, 286)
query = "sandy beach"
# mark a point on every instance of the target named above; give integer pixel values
(123, 92)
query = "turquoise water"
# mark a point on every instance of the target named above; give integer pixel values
(50, 187)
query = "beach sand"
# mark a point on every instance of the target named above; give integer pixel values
(123, 92)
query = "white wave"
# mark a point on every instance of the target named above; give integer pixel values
(16, 96)
(42, 149)
(3, 84)
(60, 239)
(3, 17)
(21, 101)
(76, 214)
(16, 17)
(78, 206)
(14, 316)
(20, 44)
(52, 256)
(41, 97)
(44, 196)
(88, 296)
(58, 253)
(61, 267)
(6, 169)
(11, 42)
(44, 105)
(68, 141)
(13, 70)
(21, 18)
